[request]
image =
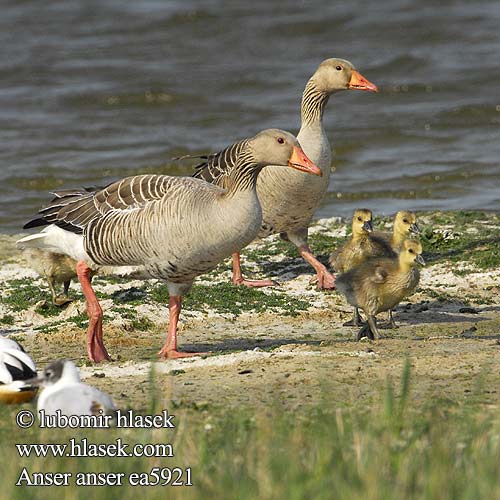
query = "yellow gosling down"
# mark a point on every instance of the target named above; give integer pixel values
(379, 284)
(405, 226)
(361, 245)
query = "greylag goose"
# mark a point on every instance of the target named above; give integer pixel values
(171, 228)
(289, 201)
(56, 268)
(361, 245)
(380, 283)
(16, 368)
(64, 391)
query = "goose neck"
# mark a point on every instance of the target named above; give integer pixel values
(314, 101)
(244, 176)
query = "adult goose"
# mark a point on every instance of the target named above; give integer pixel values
(171, 228)
(289, 201)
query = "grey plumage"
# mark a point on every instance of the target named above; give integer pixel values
(174, 228)
(289, 199)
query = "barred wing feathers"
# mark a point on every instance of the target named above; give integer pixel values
(74, 209)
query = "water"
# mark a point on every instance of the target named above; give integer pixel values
(91, 91)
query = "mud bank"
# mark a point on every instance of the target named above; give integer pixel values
(284, 346)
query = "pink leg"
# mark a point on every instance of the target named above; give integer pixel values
(238, 277)
(95, 344)
(326, 280)
(169, 350)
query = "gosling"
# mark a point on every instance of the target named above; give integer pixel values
(361, 245)
(56, 269)
(405, 226)
(380, 284)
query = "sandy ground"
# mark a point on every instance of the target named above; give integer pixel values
(452, 342)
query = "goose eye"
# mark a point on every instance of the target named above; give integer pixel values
(338, 68)
(410, 250)
(281, 140)
(405, 221)
(360, 219)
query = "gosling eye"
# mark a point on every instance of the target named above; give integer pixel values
(338, 68)
(360, 219)
(280, 140)
(411, 250)
(405, 221)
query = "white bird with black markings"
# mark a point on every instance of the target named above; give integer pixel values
(64, 391)
(170, 228)
(16, 369)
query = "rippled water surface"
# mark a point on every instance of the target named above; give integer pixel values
(91, 91)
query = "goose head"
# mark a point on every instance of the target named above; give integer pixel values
(411, 253)
(336, 74)
(362, 222)
(405, 223)
(277, 147)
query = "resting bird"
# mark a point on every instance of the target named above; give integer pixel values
(360, 246)
(289, 200)
(65, 392)
(380, 283)
(405, 226)
(16, 369)
(56, 268)
(170, 228)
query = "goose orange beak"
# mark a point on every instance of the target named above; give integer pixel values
(359, 82)
(299, 161)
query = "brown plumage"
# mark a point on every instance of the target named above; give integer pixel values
(164, 227)
(360, 246)
(56, 268)
(381, 283)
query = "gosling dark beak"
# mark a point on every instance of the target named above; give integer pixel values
(359, 82)
(420, 260)
(300, 161)
(414, 229)
(368, 226)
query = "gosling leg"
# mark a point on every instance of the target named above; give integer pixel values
(364, 332)
(373, 332)
(356, 319)
(390, 324)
